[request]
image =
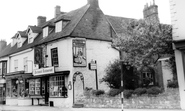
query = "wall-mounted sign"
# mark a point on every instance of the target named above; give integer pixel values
(79, 52)
(43, 71)
(92, 65)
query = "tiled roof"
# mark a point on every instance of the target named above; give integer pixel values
(36, 29)
(23, 34)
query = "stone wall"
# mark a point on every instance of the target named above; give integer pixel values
(168, 100)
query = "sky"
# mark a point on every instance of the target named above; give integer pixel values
(17, 15)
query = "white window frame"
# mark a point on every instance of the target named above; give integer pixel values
(25, 64)
(16, 65)
(45, 31)
(58, 26)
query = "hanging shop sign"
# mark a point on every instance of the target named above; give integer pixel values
(43, 71)
(79, 52)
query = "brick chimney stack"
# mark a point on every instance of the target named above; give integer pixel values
(57, 11)
(93, 3)
(41, 20)
(3, 44)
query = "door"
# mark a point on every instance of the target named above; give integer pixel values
(45, 89)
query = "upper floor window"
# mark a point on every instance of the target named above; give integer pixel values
(30, 39)
(25, 64)
(54, 57)
(15, 65)
(3, 68)
(58, 26)
(45, 31)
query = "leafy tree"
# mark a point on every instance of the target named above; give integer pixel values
(113, 76)
(142, 40)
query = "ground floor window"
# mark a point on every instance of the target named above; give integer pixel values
(57, 86)
(14, 91)
(34, 86)
(17, 88)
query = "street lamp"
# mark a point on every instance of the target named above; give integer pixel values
(124, 66)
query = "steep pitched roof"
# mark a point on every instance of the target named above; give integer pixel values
(93, 25)
(23, 34)
(36, 29)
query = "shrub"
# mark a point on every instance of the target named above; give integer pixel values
(98, 92)
(140, 91)
(87, 91)
(173, 84)
(154, 91)
(114, 92)
(127, 93)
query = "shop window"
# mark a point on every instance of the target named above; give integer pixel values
(23, 88)
(8, 88)
(57, 86)
(14, 90)
(54, 57)
(34, 86)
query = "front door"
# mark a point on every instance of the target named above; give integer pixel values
(2, 95)
(45, 89)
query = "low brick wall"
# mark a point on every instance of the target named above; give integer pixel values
(167, 100)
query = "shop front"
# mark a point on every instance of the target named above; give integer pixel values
(48, 87)
(17, 88)
(2, 90)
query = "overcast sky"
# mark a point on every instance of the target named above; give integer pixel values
(16, 15)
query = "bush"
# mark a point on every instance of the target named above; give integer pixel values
(98, 92)
(173, 84)
(114, 92)
(154, 91)
(87, 91)
(127, 93)
(140, 91)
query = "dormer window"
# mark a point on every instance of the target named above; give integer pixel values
(58, 26)
(18, 41)
(45, 31)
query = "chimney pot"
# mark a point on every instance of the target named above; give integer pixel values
(41, 20)
(57, 11)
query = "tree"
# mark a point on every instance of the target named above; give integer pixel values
(143, 40)
(113, 74)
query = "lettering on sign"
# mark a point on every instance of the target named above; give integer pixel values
(43, 71)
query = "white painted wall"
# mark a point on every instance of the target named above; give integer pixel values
(29, 53)
(103, 53)
(178, 18)
(64, 54)
(178, 22)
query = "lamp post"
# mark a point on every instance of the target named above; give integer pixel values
(124, 66)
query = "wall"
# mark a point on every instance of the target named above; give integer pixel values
(178, 18)
(29, 53)
(103, 53)
(64, 54)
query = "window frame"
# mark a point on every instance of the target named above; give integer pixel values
(16, 65)
(54, 60)
(58, 26)
(25, 64)
(56, 84)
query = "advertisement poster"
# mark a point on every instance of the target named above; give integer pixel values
(79, 52)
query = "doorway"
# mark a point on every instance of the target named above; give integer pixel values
(45, 89)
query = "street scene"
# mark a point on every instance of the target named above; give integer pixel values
(89, 55)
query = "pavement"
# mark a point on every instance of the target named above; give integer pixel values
(47, 108)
